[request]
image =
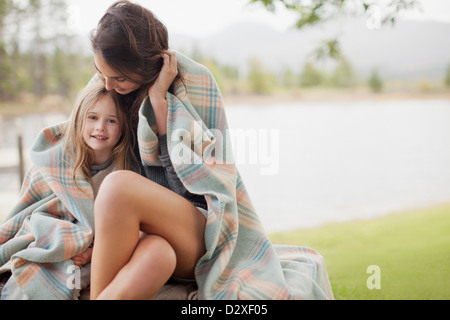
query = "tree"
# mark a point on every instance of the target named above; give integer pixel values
(289, 79)
(49, 20)
(310, 75)
(375, 82)
(260, 81)
(447, 78)
(5, 70)
(344, 75)
(38, 52)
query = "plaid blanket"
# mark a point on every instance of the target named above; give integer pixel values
(54, 220)
(241, 262)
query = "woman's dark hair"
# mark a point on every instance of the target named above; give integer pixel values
(131, 40)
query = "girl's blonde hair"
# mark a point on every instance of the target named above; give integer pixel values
(75, 147)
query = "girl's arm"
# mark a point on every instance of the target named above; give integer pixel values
(157, 92)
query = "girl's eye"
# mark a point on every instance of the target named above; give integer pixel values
(112, 121)
(120, 80)
(92, 117)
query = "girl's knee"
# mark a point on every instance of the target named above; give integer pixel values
(114, 183)
(111, 195)
(153, 249)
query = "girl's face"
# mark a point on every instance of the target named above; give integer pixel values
(102, 128)
(113, 81)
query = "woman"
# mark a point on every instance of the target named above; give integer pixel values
(174, 234)
(188, 216)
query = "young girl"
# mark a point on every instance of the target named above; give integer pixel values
(100, 138)
(51, 228)
(189, 217)
(97, 126)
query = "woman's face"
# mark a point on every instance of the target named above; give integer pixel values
(113, 80)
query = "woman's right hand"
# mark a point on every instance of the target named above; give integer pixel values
(157, 92)
(165, 78)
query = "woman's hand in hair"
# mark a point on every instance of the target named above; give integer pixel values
(157, 92)
(166, 76)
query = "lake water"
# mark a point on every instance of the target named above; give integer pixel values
(343, 161)
(306, 163)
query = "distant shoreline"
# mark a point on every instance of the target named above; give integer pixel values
(330, 96)
(55, 104)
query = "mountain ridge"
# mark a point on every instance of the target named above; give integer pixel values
(408, 50)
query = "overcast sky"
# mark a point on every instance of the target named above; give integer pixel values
(198, 18)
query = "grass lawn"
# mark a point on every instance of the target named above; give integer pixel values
(412, 250)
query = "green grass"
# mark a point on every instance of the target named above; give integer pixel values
(412, 250)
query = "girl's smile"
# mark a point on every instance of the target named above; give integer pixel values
(100, 137)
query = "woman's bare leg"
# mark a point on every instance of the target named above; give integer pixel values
(128, 203)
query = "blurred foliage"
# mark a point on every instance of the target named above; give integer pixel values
(343, 76)
(311, 76)
(375, 82)
(40, 56)
(447, 77)
(313, 12)
(38, 52)
(260, 81)
(316, 11)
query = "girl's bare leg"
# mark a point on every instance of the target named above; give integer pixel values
(151, 265)
(128, 203)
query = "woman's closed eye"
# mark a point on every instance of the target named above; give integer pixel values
(118, 79)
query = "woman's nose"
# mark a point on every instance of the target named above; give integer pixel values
(110, 84)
